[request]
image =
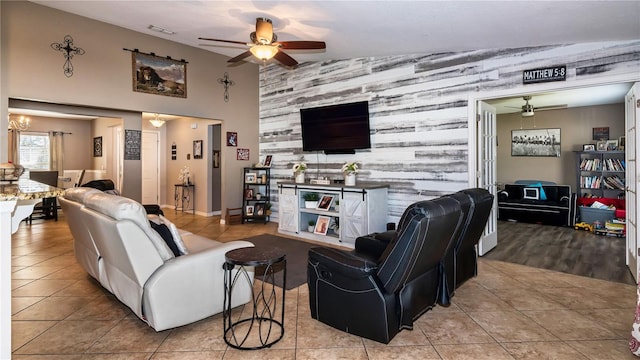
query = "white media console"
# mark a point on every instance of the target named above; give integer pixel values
(361, 210)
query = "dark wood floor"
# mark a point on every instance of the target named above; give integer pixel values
(562, 249)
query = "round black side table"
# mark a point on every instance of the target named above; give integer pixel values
(258, 325)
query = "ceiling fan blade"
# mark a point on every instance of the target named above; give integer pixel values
(301, 45)
(551, 107)
(285, 59)
(240, 57)
(226, 41)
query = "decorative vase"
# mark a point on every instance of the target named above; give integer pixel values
(310, 228)
(350, 179)
(300, 177)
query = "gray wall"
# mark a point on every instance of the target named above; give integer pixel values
(418, 106)
(575, 126)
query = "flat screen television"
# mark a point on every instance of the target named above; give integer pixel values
(336, 129)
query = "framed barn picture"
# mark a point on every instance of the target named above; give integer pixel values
(158, 75)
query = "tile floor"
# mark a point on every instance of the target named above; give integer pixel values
(508, 312)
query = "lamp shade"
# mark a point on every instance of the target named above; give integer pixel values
(264, 52)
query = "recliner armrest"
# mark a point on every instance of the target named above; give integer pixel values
(346, 263)
(374, 244)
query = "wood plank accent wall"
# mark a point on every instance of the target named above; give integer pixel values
(418, 110)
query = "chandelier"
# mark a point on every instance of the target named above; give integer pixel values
(19, 123)
(157, 122)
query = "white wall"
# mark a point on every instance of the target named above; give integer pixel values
(419, 109)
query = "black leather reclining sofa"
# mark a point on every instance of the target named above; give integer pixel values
(519, 203)
(390, 279)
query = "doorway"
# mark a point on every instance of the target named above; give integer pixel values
(475, 169)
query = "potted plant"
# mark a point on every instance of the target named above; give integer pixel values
(310, 199)
(298, 171)
(349, 170)
(336, 205)
(312, 225)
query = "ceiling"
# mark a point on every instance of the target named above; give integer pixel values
(354, 29)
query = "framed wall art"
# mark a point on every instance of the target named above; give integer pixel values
(97, 146)
(197, 149)
(132, 144)
(600, 133)
(242, 154)
(232, 138)
(535, 142)
(160, 76)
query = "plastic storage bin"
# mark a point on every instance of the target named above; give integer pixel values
(591, 215)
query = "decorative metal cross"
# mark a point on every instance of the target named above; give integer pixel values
(69, 51)
(226, 82)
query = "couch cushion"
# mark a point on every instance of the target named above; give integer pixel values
(165, 234)
(122, 208)
(175, 232)
(79, 194)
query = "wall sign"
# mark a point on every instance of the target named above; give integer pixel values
(553, 73)
(132, 144)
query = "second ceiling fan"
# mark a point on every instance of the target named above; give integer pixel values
(264, 45)
(529, 110)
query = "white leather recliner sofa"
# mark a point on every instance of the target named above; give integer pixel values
(116, 245)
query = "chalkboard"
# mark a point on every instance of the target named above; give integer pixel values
(132, 144)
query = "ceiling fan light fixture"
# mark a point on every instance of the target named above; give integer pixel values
(527, 113)
(264, 52)
(157, 122)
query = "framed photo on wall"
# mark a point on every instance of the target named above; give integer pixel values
(242, 154)
(197, 149)
(232, 138)
(601, 133)
(535, 142)
(97, 146)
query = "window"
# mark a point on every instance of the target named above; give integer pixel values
(34, 151)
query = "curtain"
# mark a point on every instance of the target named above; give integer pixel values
(14, 140)
(56, 151)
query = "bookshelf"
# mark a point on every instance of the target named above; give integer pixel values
(600, 173)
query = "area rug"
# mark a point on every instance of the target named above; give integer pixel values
(297, 255)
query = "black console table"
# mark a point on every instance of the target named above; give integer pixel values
(258, 326)
(184, 195)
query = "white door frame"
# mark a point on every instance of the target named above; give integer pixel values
(521, 91)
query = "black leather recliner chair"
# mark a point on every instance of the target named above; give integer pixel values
(377, 296)
(461, 262)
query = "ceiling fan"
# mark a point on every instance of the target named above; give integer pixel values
(264, 45)
(529, 110)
